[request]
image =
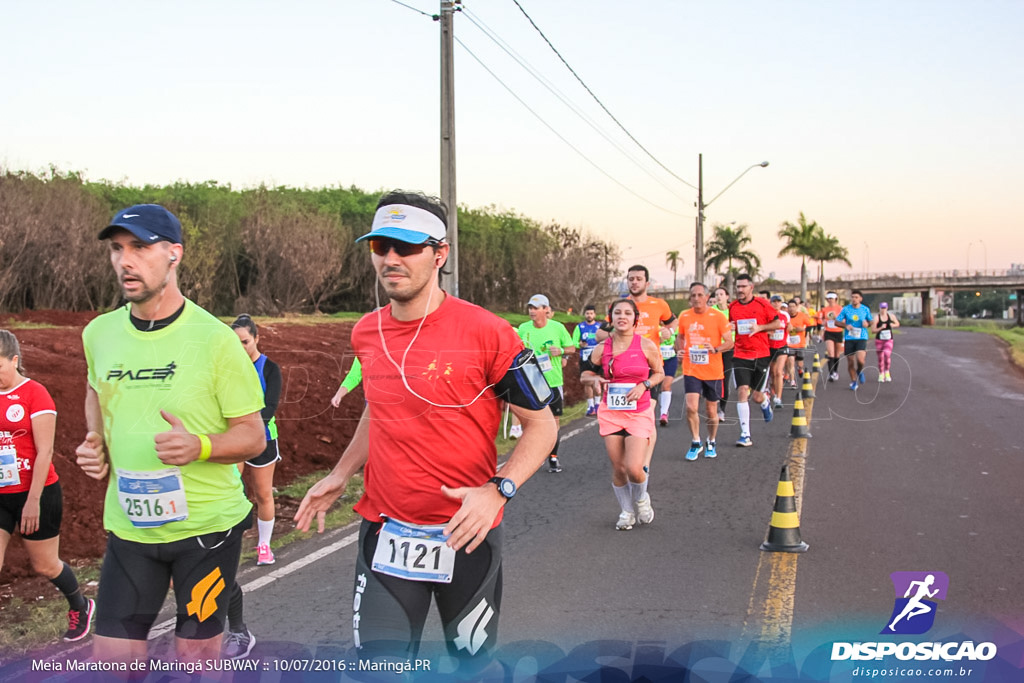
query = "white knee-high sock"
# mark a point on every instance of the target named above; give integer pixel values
(622, 495)
(743, 410)
(266, 530)
(638, 491)
(664, 401)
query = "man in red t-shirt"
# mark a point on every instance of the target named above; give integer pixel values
(434, 369)
(752, 318)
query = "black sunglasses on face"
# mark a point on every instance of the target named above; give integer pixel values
(382, 245)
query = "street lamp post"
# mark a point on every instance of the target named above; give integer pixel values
(698, 269)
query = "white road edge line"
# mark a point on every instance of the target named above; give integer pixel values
(168, 625)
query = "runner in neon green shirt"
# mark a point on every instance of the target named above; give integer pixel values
(550, 341)
(171, 405)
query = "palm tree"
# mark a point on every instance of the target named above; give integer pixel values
(728, 245)
(826, 249)
(673, 261)
(801, 238)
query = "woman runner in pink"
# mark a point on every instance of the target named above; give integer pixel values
(883, 326)
(625, 367)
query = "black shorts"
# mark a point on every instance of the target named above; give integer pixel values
(775, 353)
(797, 353)
(557, 403)
(135, 578)
(671, 366)
(750, 372)
(836, 337)
(853, 345)
(388, 612)
(51, 511)
(270, 455)
(710, 389)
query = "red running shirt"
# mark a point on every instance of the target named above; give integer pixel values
(416, 448)
(756, 312)
(17, 408)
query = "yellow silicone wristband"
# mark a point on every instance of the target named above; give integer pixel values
(205, 447)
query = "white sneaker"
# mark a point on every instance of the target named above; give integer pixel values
(515, 431)
(626, 521)
(238, 645)
(881, 377)
(776, 402)
(888, 377)
(644, 511)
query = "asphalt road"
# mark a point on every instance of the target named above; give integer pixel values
(920, 474)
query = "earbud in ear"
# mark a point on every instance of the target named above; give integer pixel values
(173, 258)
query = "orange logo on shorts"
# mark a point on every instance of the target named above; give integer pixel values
(204, 595)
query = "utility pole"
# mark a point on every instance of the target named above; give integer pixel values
(449, 282)
(698, 268)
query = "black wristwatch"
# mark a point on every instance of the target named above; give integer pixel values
(506, 487)
(647, 383)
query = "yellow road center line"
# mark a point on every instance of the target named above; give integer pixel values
(770, 609)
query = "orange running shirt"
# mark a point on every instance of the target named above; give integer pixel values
(654, 313)
(827, 316)
(698, 334)
(803, 320)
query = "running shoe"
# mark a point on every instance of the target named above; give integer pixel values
(767, 412)
(834, 377)
(626, 520)
(695, 450)
(744, 440)
(888, 377)
(664, 421)
(853, 386)
(644, 511)
(776, 402)
(710, 450)
(591, 411)
(792, 384)
(79, 621)
(881, 377)
(553, 465)
(721, 414)
(238, 645)
(860, 377)
(264, 555)
(515, 431)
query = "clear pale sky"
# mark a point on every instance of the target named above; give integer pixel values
(897, 126)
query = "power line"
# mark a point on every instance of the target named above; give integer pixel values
(596, 99)
(561, 137)
(435, 17)
(490, 33)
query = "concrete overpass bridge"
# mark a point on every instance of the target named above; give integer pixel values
(929, 284)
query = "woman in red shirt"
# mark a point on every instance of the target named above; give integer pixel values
(30, 495)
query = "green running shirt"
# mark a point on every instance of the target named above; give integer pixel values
(195, 369)
(540, 339)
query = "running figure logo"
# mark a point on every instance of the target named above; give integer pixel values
(914, 612)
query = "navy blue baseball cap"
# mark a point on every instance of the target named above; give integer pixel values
(149, 222)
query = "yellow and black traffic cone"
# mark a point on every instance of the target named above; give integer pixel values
(808, 389)
(784, 531)
(817, 363)
(798, 428)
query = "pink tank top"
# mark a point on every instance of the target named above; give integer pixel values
(630, 367)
